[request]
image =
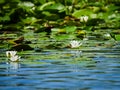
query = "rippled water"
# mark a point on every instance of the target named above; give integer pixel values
(99, 69)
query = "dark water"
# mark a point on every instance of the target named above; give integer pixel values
(102, 72)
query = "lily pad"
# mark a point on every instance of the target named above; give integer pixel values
(70, 29)
(117, 37)
(82, 12)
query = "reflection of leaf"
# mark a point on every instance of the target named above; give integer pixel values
(28, 62)
(83, 59)
(81, 63)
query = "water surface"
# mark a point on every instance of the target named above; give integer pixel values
(96, 69)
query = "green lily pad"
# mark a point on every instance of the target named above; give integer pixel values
(57, 6)
(70, 29)
(82, 12)
(117, 37)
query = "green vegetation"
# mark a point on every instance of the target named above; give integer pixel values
(57, 20)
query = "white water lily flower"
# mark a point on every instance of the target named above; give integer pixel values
(75, 44)
(84, 18)
(15, 58)
(11, 53)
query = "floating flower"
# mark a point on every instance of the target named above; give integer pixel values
(15, 58)
(84, 18)
(107, 36)
(75, 44)
(11, 53)
(12, 56)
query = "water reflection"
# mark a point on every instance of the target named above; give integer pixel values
(76, 53)
(13, 65)
(50, 71)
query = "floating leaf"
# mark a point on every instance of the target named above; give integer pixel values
(62, 37)
(2, 1)
(26, 4)
(56, 6)
(83, 12)
(45, 5)
(70, 29)
(5, 18)
(29, 20)
(117, 37)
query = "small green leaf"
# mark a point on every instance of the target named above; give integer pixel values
(117, 37)
(26, 4)
(45, 5)
(85, 12)
(5, 18)
(56, 6)
(70, 29)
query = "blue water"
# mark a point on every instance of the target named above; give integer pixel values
(102, 72)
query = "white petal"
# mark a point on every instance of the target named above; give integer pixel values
(15, 58)
(7, 53)
(13, 53)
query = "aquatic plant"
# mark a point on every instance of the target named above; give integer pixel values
(12, 56)
(11, 53)
(75, 44)
(83, 18)
(15, 58)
